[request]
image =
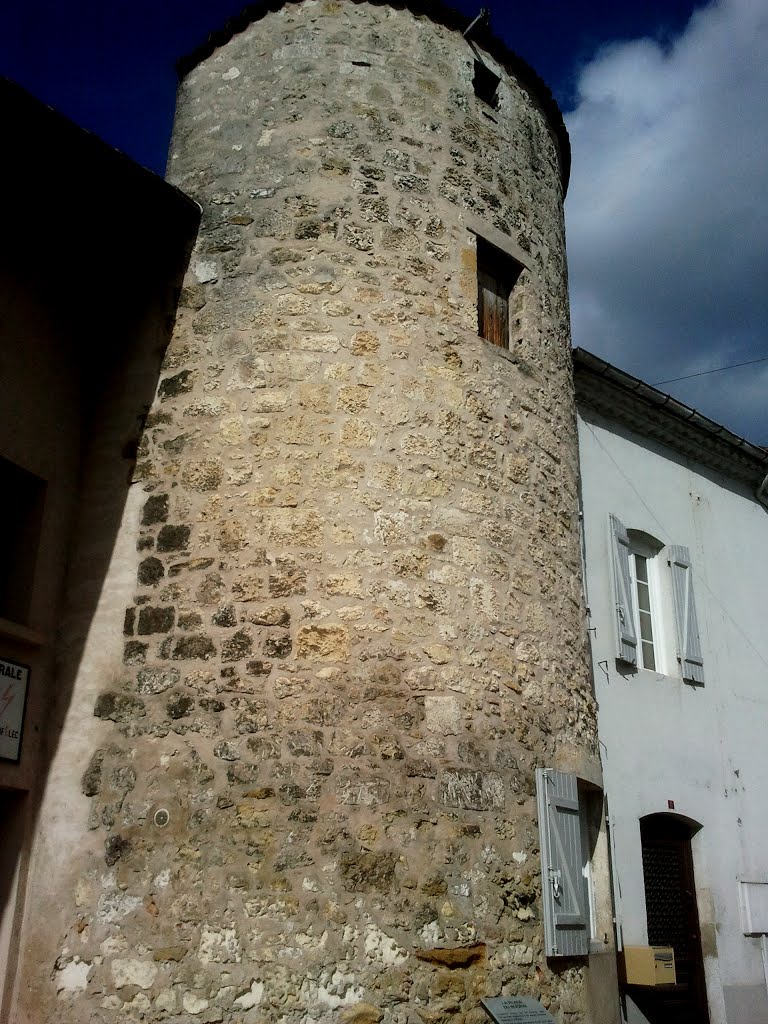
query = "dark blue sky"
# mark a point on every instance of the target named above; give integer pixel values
(110, 66)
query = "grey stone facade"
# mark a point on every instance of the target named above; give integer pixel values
(357, 623)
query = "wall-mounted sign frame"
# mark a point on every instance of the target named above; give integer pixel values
(14, 680)
(754, 907)
(516, 1010)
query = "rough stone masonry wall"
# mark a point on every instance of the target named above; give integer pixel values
(358, 623)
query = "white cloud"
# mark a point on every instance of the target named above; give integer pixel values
(667, 211)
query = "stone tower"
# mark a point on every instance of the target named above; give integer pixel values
(356, 624)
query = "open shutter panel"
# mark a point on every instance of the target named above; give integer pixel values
(622, 583)
(688, 640)
(562, 879)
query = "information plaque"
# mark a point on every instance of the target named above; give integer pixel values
(13, 698)
(517, 1010)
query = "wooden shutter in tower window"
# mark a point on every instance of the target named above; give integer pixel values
(493, 308)
(688, 640)
(563, 886)
(622, 585)
(497, 276)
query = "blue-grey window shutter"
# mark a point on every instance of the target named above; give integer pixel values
(622, 585)
(688, 640)
(564, 895)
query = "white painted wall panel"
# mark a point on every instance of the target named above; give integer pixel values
(703, 747)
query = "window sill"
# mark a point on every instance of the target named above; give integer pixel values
(22, 634)
(501, 350)
(631, 671)
(661, 677)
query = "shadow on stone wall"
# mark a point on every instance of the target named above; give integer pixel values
(97, 247)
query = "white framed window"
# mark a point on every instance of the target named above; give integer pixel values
(650, 604)
(656, 621)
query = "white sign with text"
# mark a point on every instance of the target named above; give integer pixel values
(517, 1010)
(13, 698)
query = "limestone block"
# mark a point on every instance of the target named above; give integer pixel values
(480, 791)
(328, 643)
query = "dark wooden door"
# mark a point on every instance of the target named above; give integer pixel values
(673, 920)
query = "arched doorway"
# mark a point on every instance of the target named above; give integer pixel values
(673, 919)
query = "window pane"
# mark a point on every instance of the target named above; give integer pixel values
(641, 566)
(646, 628)
(649, 659)
(644, 616)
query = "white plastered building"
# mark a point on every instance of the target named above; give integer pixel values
(675, 530)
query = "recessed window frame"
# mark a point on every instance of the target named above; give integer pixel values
(646, 558)
(589, 834)
(24, 495)
(648, 618)
(642, 579)
(486, 84)
(574, 863)
(497, 275)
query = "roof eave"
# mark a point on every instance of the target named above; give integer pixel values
(646, 410)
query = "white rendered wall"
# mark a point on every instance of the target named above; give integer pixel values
(705, 748)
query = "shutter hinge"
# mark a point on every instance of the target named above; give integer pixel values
(557, 889)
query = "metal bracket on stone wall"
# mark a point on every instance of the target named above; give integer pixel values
(484, 18)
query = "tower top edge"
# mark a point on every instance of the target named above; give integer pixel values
(441, 14)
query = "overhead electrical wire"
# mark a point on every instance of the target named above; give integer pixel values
(703, 373)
